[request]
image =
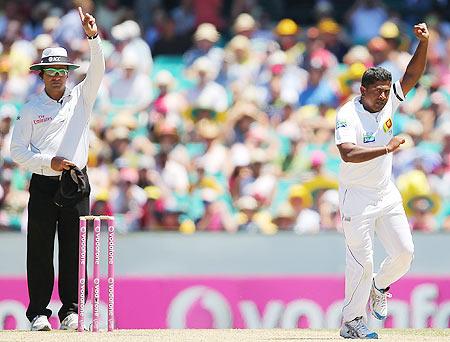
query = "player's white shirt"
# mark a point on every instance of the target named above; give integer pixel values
(356, 125)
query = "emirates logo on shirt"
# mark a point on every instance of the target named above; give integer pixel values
(42, 119)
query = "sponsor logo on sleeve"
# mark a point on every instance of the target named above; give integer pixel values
(368, 138)
(341, 124)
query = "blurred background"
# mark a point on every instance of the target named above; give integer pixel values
(212, 144)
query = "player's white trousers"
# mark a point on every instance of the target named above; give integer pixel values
(364, 212)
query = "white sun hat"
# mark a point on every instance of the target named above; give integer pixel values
(54, 56)
(207, 31)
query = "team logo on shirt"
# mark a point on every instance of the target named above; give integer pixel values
(340, 124)
(368, 138)
(387, 125)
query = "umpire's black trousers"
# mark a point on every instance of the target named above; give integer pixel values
(44, 219)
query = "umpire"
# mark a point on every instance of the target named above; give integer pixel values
(51, 134)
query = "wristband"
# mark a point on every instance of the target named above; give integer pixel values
(93, 37)
(387, 151)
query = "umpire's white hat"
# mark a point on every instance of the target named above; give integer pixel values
(54, 56)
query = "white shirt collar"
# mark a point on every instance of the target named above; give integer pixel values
(360, 108)
(48, 99)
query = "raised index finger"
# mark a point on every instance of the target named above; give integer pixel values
(80, 12)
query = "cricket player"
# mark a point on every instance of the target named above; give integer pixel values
(369, 201)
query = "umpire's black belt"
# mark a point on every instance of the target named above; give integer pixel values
(56, 178)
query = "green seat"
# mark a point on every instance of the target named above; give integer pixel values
(176, 66)
(281, 193)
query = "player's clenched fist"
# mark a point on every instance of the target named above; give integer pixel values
(395, 143)
(421, 31)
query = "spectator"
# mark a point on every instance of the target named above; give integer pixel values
(101, 205)
(184, 17)
(380, 51)
(169, 41)
(361, 13)
(287, 35)
(207, 95)
(173, 174)
(281, 82)
(143, 8)
(127, 200)
(328, 208)
(284, 217)
(8, 113)
(208, 12)
(108, 14)
(130, 43)
(240, 67)
(215, 217)
(420, 202)
(214, 157)
(248, 219)
(171, 218)
(330, 32)
(168, 104)
(205, 37)
(13, 203)
(422, 217)
(244, 25)
(242, 174)
(129, 88)
(307, 220)
(247, 26)
(153, 209)
(241, 116)
(293, 162)
(319, 89)
(69, 28)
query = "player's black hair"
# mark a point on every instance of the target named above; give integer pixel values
(375, 74)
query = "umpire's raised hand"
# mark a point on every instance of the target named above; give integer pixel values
(88, 22)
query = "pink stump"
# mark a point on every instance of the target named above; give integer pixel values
(81, 273)
(96, 276)
(111, 274)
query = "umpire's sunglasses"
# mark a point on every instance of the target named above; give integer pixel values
(55, 72)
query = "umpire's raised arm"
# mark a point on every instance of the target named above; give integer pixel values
(90, 85)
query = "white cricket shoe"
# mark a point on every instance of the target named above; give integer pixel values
(70, 322)
(378, 301)
(40, 323)
(357, 329)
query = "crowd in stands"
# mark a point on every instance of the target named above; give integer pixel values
(206, 123)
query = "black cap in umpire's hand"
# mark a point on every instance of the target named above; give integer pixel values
(74, 186)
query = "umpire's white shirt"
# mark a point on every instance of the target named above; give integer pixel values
(356, 125)
(46, 128)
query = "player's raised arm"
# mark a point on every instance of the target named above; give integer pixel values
(417, 63)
